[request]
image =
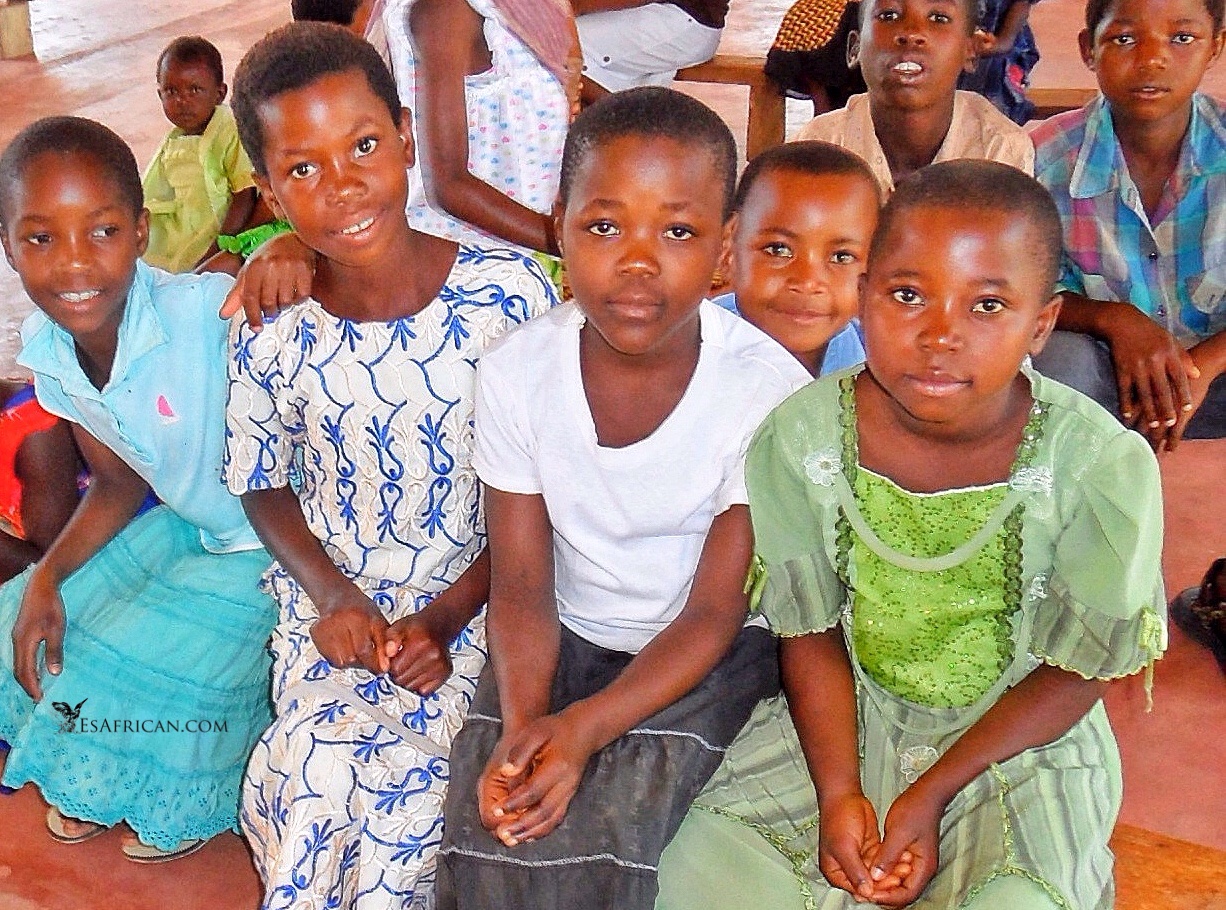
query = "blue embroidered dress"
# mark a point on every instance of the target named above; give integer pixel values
(372, 423)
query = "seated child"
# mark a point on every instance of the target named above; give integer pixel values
(1139, 176)
(146, 637)
(803, 216)
(198, 184)
(39, 467)
(958, 554)
(610, 435)
(644, 42)
(911, 53)
(362, 17)
(362, 398)
(1005, 53)
(490, 83)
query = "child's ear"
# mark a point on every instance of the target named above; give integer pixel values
(853, 49)
(1045, 324)
(557, 214)
(1219, 40)
(266, 193)
(4, 242)
(142, 232)
(971, 61)
(405, 128)
(222, 92)
(725, 249)
(1085, 42)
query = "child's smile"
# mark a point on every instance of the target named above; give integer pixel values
(642, 232)
(798, 250)
(336, 166)
(75, 241)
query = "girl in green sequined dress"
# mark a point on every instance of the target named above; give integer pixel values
(958, 554)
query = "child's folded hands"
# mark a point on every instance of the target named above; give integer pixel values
(538, 768)
(417, 653)
(353, 634)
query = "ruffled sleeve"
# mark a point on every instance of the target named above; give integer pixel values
(1104, 613)
(790, 472)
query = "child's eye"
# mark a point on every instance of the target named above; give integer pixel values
(777, 249)
(39, 238)
(942, 18)
(603, 229)
(1183, 38)
(844, 257)
(988, 305)
(905, 295)
(302, 170)
(1123, 40)
(887, 15)
(104, 231)
(679, 232)
(366, 145)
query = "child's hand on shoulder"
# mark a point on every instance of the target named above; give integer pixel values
(539, 768)
(278, 275)
(40, 619)
(417, 653)
(352, 633)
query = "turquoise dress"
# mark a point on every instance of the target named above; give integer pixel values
(945, 600)
(164, 688)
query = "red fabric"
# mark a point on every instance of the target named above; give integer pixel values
(18, 421)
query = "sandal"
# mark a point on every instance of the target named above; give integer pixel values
(143, 853)
(58, 829)
(1201, 612)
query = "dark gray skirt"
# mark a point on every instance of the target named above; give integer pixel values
(630, 803)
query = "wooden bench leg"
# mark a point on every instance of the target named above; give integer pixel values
(767, 113)
(15, 37)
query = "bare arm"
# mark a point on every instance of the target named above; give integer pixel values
(550, 755)
(1010, 27)
(1152, 370)
(444, 33)
(350, 630)
(1037, 711)
(238, 218)
(115, 493)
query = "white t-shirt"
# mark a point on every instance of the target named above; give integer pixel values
(628, 523)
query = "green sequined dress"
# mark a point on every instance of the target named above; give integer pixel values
(946, 600)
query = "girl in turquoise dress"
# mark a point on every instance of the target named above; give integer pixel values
(958, 554)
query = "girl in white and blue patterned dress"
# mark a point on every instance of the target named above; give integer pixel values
(350, 439)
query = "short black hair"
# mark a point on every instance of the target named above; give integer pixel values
(65, 136)
(812, 157)
(293, 57)
(650, 112)
(1096, 12)
(985, 186)
(340, 12)
(976, 11)
(192, 49)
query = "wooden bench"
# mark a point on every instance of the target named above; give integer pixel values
(15, 37)
(767, 107)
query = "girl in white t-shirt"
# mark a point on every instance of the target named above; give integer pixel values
(621, 662)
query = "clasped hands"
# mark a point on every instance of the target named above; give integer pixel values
(891, 871)
(411, 651)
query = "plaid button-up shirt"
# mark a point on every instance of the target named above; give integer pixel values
(1173, 267)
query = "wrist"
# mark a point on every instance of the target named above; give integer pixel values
(582, 721)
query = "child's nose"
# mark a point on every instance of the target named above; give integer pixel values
(640, 256)
(939, 331)
(1155, 52)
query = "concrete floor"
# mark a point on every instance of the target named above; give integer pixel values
(96, 58)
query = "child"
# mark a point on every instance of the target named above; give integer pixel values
(490, 83)
(39, 466)
(610, 435)
(1139, 176)
(1005, 54)
(362, 17)
(958, 553)
(198, 184)
(802, 220)
(911, 53)
(363, 397)
(644, 42)
(151, 631)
